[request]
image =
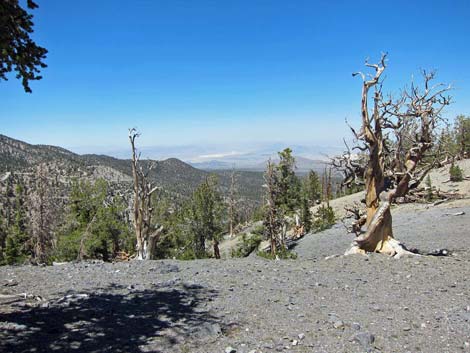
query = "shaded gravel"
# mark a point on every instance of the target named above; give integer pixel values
(343, 304)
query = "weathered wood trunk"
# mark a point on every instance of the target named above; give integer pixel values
(273, 246)
(379, 232)
(397, 160)
(216, 249)
(146, 233)
(143, 252)
(146, 246)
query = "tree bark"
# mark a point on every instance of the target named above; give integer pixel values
(216, 249)
(142, 206)
(392, 162)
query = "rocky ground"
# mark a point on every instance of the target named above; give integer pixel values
(340, 304)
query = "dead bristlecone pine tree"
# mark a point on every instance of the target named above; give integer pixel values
(42, 208)
(396, 137)
(147, 233)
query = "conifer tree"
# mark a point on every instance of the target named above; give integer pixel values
(205, 217)
(306, 215)
(95, 226)
(288, 183)
(18, 52)
(462, 132)
(16, 244)
(312, 188)
(273, 217)
(232, 202)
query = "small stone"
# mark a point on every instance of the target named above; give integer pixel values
(295, 342)
(423, 325)
(216, 329)
(5, 325)
(10, 283)
(301, 336)
(365, 339)
(230, 350)
(338, 324)
(356, 326)
(407, 328)
(376, 308)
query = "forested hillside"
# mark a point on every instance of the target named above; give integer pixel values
(171, 174)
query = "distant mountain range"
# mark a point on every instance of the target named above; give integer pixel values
(171, 174)
(248, 157)
(303, 165)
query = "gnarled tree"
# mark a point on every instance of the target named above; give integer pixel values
(147, 234)
(396, 141)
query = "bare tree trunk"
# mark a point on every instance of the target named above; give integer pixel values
(42, 208)
(378, 221)
(142, 206)
(150, 244)
(216, 249)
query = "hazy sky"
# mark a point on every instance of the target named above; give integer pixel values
(224, 71)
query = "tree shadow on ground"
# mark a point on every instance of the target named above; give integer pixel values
(112, 320)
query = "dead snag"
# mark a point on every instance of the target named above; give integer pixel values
(147, 234)
(396, 143)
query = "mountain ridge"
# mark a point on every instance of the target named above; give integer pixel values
(172, 174)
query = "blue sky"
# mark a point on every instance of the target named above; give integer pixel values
(229, 72)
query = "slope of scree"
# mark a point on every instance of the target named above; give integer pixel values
(342, 304)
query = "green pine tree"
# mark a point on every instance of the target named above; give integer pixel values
(16, 242)
(96, 226)
(288, 183)
(456, 173)
(462, 132)
(205, 217)
(312, 188)
(306, 215)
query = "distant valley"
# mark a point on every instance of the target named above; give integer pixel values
(249, 157)
(173, 175)
(303, 165)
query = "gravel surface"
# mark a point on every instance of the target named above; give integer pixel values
(312, 304)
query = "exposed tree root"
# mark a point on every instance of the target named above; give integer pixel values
(390, 247)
